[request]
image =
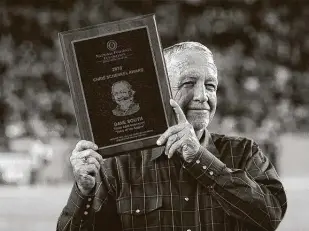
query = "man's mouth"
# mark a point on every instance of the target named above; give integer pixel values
(123, 98)
(198, 109)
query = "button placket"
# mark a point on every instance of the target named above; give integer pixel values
(87, 206)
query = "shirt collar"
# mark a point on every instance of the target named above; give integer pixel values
(206, 141)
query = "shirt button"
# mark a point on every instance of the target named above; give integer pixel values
(137, 211)
(87, 206)
(86, 213)
(188, 229)
(211, 173)
(204, 167)
(89, 199)
(198, 161)
(186, 199)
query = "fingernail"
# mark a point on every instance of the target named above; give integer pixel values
(158, 142)
(171, 101)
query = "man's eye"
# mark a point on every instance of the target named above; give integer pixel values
(188, 84)
(210, 87)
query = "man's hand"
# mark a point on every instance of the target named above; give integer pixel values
(86, 163)
(180, 137)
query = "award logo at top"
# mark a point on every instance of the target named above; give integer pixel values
(118, 83)
(111, 45)
(113, 53)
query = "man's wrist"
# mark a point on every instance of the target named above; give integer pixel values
(85, 192)
(192, 157)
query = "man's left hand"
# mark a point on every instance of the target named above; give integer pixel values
(180, 137)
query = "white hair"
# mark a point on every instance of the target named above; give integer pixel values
(129, 86)
(169, 52)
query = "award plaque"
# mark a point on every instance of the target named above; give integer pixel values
(118, 83)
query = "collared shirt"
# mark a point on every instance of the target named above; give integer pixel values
(133, 108)
(229, 186)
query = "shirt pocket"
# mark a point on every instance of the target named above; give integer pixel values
(139, 212)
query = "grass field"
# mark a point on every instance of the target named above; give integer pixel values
(30, 209)
(37, 208)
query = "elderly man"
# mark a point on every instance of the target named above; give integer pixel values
(123, 95)
(194, 180)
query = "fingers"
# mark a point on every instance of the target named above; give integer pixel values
(87, 153)
(170, 131)
(85, 182)
(94, 161)
(86, 163)
(84, 144)
(171, 140)
(174, 147)
(182, 122)
(85, 169)
(181, 117)
(91, 169)
(91, 153)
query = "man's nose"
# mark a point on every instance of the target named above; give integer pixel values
(200, 93)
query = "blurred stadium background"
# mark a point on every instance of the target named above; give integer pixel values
(262, 52)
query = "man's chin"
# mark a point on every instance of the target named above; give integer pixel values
(199, 125)
(124, 103)
(199, 120)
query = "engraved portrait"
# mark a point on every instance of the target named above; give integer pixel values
(123, 96)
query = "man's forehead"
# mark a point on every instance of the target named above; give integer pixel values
(209, 72)
(191, 62)
(120, 85)
(180, 59)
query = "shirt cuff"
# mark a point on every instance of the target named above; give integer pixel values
(82, 212)
(205, 167)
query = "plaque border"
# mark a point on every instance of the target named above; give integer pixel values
(67, 40)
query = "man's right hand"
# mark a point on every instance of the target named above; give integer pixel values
(86, 163)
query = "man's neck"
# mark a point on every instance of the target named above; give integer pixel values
(126, 106)
(199, 133)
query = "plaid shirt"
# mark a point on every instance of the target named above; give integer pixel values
(230, 186)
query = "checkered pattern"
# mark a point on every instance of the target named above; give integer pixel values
(229, 186)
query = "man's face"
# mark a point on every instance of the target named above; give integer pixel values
(194, 85)
(121, 93)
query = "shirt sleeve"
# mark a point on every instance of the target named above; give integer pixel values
(253, 194)
(90, 213)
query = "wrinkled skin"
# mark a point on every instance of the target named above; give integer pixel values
(85, 171)
(194, 84)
